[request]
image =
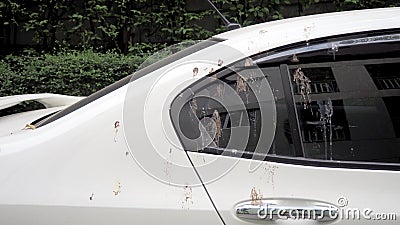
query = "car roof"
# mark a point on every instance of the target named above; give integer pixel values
(293, 30)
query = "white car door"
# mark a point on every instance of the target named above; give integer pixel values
(300, 135)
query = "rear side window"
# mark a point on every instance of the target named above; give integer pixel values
(225, 113)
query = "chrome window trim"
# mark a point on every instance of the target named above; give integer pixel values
(332, 46)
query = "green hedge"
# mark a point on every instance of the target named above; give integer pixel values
(69, 72)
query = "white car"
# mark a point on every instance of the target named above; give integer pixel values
(294, 121)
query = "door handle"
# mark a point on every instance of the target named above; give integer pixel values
(275, 209)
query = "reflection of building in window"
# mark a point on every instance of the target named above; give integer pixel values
(321, 80)
(385, 76)
(392, 105)
(357, 123)
(313, 126)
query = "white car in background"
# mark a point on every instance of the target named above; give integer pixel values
(13, 123)
(294, 121)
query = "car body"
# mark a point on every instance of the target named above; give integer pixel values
(292, 118)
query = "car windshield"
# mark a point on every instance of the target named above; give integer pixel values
(154, 62)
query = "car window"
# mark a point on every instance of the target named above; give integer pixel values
(347, 117)
(345, 107)
(221, 113)
(335, 100)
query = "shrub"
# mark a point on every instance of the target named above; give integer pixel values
(68, 72)
(5, 74)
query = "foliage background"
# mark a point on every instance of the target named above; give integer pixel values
(77, 47)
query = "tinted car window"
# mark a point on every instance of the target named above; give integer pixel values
(225, 112)
(345, 100)
(355, 123)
